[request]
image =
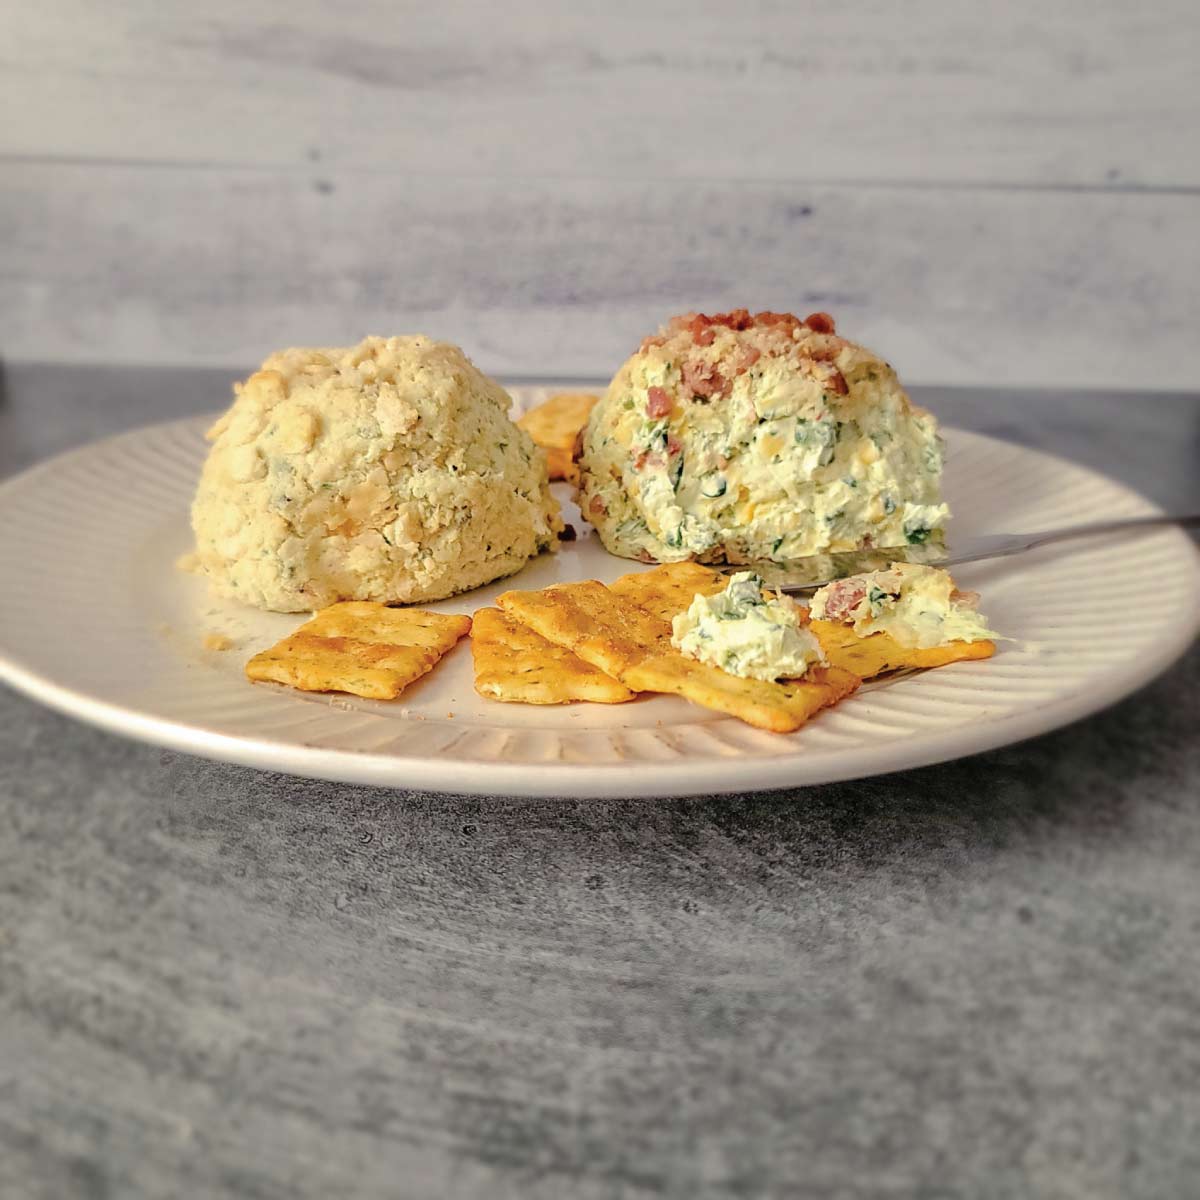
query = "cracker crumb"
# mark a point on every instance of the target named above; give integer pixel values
(217, 641)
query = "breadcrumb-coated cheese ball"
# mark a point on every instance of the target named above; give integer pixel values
(387, 471)
(740, 438)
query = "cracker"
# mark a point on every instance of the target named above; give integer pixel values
(600, 627)
(626, 641)
(515, 665)
(879, 652)
(360, 647)
(670, 588)
(555, 425)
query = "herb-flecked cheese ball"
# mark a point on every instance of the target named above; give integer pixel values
(387, 471)
(740, 438)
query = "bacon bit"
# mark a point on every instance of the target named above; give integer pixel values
(702, 326)
(645, 556)
(786, 321)
(737, 319)
(646, 458)
(722, 461)
(680, 323)
(658, 403)
(967, 599)
(703, 380)
(750, 355)
(674, 445)
(653, 340)
(596, 507)
(701, 329)
(837, 381)
(843, 598)
(820, 322)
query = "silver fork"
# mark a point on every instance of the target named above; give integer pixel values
(804, 574)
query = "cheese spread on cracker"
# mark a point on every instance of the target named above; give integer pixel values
(747, 633)
(917, 606)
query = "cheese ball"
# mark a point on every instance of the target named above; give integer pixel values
(387, 471)
(740, 438)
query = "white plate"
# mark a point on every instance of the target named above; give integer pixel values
(95, 620)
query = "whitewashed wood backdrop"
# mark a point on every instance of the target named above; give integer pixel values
(1002, 193)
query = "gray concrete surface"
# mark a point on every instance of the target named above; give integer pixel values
(977, 979)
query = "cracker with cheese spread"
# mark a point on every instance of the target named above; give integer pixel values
(624, 640)
(877, 653)
(909, 615)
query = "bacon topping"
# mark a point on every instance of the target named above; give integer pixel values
(702, 379)
(786, 322)
(843, 598)
(837, 381)
(596, 507)
(658, 402)
(782, 330)
(749, 356)
(738, 319)
(703, 328)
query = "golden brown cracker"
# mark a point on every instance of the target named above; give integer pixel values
(670, 588)
(360, 647)
(555, 425)
(880, 652)
(516, 665)
(779, 707)
(612, 632)
(602, 628)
